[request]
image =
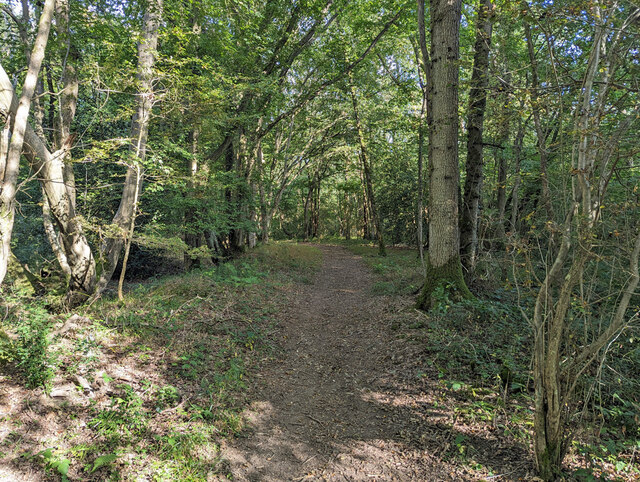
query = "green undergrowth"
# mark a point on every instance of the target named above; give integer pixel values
(168, 369)
(479, 352)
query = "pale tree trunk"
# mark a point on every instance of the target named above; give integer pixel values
(55, 172)
(192, 237)
(475, 126)
(68, 96)
(12, 148)
(132, 225)
(55, 240)
(252, 237)
(265, 212)
(50, 166)
(366, 169)
(125, 216)
(443, 263)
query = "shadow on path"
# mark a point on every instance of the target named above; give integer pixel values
(329, 408)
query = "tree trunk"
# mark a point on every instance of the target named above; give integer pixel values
(366, 225)
(50, 169)
(425, 113)
(503, 139)
(545, 202)
(475, 125)
(12, 146)
(443, 263)
(139, 130)
(366, 169)
(307, 217)
(53, 236)
(192, 236)
(515, 196)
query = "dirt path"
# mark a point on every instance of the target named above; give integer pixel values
(321, 412)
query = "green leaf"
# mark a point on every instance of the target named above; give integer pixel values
(62, 466)
(46, 454)
(102, 461)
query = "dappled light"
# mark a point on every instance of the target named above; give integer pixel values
(300, 240)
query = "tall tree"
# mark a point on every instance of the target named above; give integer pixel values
(422, 56)
(124, 219)
(444, 268)
(366, 169)
(12, 136)
(475, 126)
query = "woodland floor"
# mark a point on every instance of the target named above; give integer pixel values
(342, 400)
(292, 363)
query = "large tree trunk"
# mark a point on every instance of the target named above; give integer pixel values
(443, 263)
(69, 95)
(366, 169)
(50, 168)
(11, 146)
(475, 126)
(125, 216)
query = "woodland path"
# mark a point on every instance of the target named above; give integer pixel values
(322, 410)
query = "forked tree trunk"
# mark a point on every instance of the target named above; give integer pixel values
(123, 218)
(443, 263)
(11, 146)
(50, 168)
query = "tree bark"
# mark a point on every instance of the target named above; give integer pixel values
(475, 126)
(123, 218)
(443, 263)
(10, 162)
(50, 167)
(503, 139)
(515, 196)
